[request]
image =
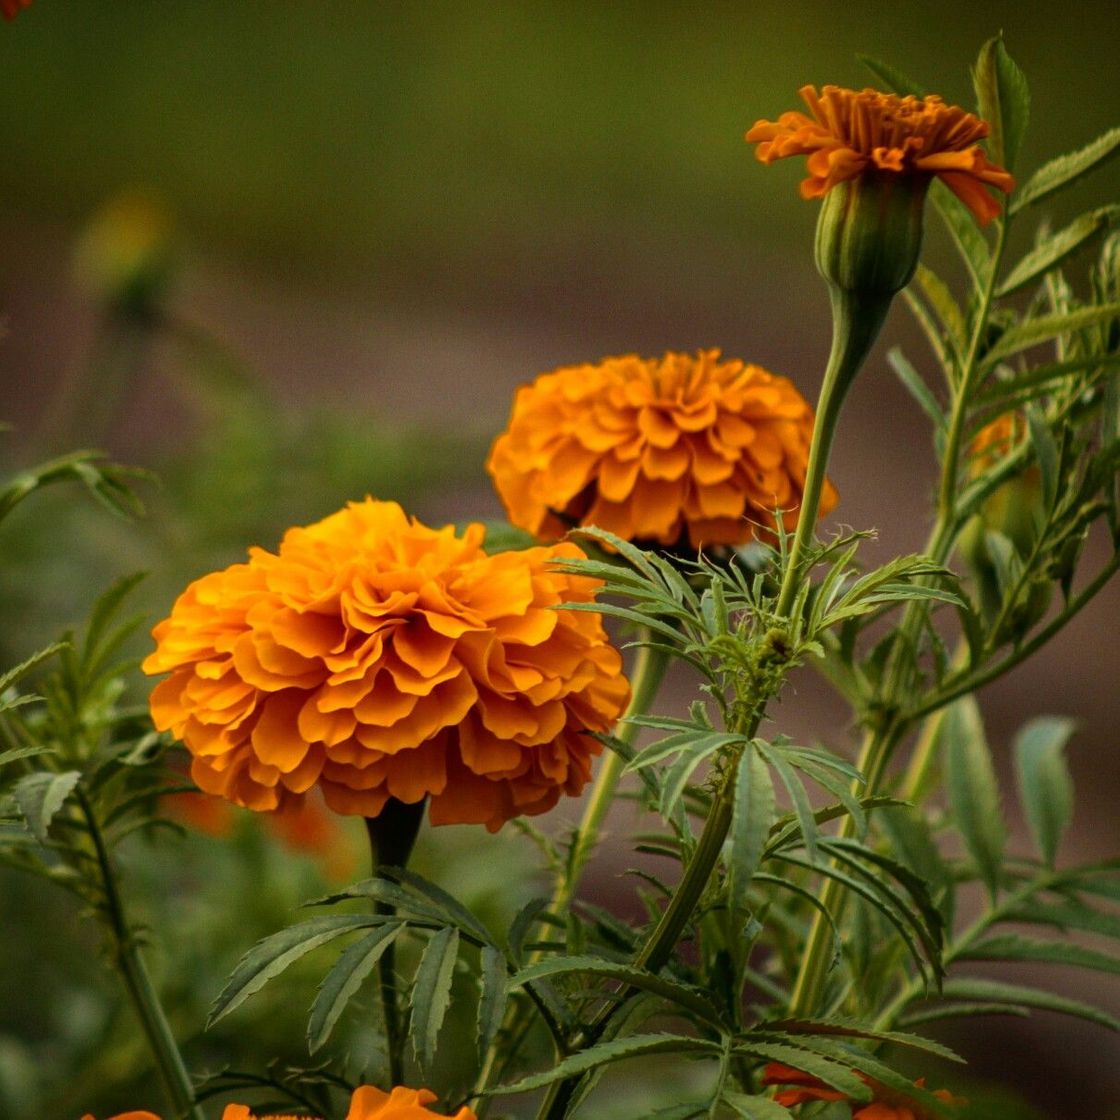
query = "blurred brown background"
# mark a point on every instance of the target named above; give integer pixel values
(392, 214)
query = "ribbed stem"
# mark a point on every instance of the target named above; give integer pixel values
(856, 321)
(392, 834)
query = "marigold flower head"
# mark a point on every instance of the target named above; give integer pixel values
(854, 133)
(682, 449)
(377, 658)
(138, 1115)
(887, 1104)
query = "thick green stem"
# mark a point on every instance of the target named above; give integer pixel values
(138, 983)
(856, 321)
(392, 834)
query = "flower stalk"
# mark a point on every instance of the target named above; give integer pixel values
(392, 835)
(137, 982)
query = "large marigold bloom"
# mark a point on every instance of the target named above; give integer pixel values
(851, 133)
(672, 450)
(375, 657)
(888, 1104)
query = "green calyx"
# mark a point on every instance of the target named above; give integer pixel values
(869, 233)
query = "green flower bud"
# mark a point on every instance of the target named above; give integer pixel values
(869, 233)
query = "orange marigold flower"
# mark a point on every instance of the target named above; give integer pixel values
(377, 658)
(673, 450)
(369, 1103)
(888, 1104)
(851, 133)
(127, 1116)
(9, 9)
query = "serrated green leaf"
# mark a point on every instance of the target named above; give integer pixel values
(893, 78)
(1046, 452)
(970, 781)
(750, 824)
(1013, 947)
(341, 984)
(793, 1053)
(1045, 786)
(916, 387)
(16, 753)
(1004, 101)
(24, 667)
(1043, 328)
(968, 1009)
(1061, 172)
(941, 300)
(995, 991)
(492, 996)
(522, 922)
(842, 1028)
(964, 233)
(683, 995)
(501, 536)
(755, 1107)
(431, 993)
(271, 955)
(1057, 247)
(1067, 915)
(453, 911)
(606, 1052)
(41, 795)
(802, 807)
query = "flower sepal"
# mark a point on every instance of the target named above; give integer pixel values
(869, 233)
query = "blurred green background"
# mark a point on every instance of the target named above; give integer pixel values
(367, 223)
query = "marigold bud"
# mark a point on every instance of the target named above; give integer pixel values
(869, 233)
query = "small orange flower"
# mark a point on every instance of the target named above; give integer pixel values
(888, 1104)
(127, 1116)
(852, 133)
(675, 450)
(377, 658)
(9, 9)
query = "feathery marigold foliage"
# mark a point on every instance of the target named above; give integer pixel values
(852, 133)
(682, 450)
(375, 657)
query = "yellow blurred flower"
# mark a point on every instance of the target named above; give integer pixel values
(682, 449)
(852, 134)
(377, 658)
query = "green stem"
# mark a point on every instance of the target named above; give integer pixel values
(138, 983)
(884, 739)
(392, 834)
(856, 321)
(662, 941)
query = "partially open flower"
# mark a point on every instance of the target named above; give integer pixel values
(887, 1104)
(852, 134)
(378, 658)
(680, 450)
(874, 155)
